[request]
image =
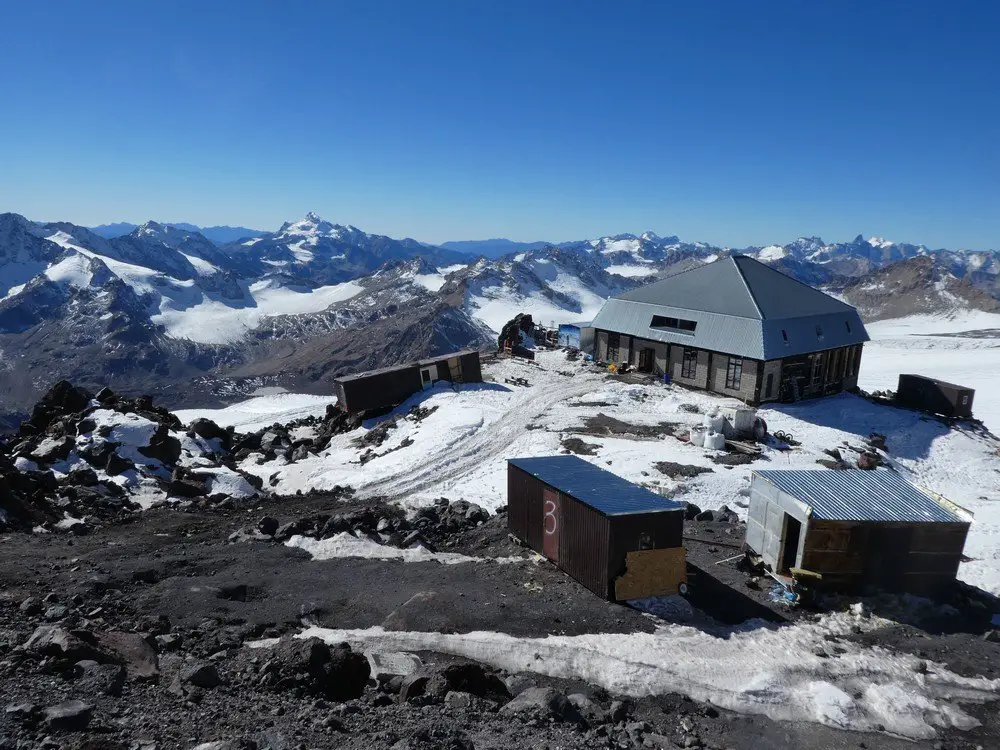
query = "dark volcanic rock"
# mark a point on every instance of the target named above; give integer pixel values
(207, 429)
(543, 704)
(59, 643)
(467, 677)
(134, 652)
(68, 716)
(93, 678)
(335, 673)
(163, 446)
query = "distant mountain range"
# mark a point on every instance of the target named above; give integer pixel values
(164, 310)
(495, 248)
(218, 234)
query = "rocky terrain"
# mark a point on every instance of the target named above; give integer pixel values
(173, 630)
(149, 604)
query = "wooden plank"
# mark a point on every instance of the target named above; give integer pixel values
(651, 572)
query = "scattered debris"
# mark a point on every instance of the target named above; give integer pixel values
(674, 470)
(578, 446)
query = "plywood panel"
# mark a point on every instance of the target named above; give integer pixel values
(651, 572)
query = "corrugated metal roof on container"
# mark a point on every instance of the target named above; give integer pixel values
(593, 486)
(858, 495)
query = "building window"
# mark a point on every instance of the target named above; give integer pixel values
(817, 369)
(614, 340)
(673, 324)
(847, 325)
(689, 365)
(734, 372)
(819, 333)
(965, 399)
(784, 335)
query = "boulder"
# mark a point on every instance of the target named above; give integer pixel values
(134, 652)
(267, 525)
(106, 396)
(207, 429)
(332, 672)
(93, 678)
(467, 677)
(53, 449)
(543, 704)
(588, 708)
(196, 674)
(22, 713)
(412, 686)
(68, 716)
(97, 452)
(59, 643)
(116, 464)
(163, 446)
(66, 398)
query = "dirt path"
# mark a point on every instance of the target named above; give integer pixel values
(498, 432)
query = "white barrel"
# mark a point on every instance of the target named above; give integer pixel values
(715, 441)
(697, 435)
(715, 422)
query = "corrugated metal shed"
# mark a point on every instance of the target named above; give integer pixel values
(857, 495)
(741, 307)
(592, 485)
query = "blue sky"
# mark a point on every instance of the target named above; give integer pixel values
(729, 122)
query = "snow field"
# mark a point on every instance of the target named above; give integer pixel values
(347, 545)
(460, 450)
(262, 411)
(758, 670)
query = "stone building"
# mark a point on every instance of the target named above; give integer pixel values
(737, 327)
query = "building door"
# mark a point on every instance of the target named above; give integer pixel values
(645, 360)
(769, 388)
(790, 548)
(550, 524)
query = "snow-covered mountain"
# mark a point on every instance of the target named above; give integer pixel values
(495, 248)
(220, 234)
(162, 305)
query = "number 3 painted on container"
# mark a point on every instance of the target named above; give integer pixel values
(550, 515)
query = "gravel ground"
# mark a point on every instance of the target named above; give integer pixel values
(172, 580)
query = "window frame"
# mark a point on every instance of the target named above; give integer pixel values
(689, 363)
(670, 323)
(734, 373)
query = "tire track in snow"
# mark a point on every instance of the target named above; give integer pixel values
(491, 440)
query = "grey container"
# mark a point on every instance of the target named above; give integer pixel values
(935, 396)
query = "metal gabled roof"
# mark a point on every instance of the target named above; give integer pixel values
(741, 307)
(735, 335)
(858, 495)
(605, 492)
(716, 287)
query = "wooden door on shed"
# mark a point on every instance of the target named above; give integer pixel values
(550, 524)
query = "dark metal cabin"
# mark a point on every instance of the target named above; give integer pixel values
(857, 529)
(381, 389)
(936, 396)
(619, 540)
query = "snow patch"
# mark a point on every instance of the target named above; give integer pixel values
(631, 271)
(758, 670)
(262, 411)
(348, 545)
